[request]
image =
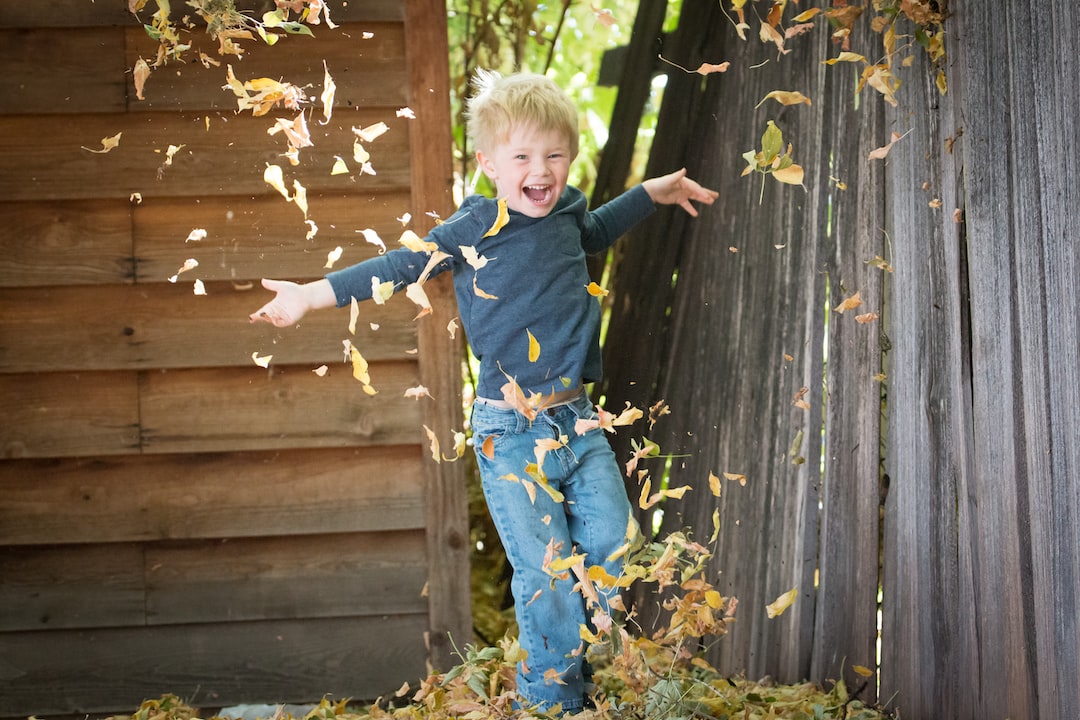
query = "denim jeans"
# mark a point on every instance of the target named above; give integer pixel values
(592, 520)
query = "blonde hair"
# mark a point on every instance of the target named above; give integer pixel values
(500, 103)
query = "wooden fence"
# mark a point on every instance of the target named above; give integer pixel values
(174, 518)
(932, 454)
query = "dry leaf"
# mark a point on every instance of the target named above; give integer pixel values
(534, 347)
(275, 178)
(327, 97)
(340, 168)
(782, 603)
(866, 317)
(418, 392)
(196, 235)
(321, 370)
(107, 144)
(595, 290)
(501, 219)
(140, 73)
(415, 292)
(785, 97)
(381, 291)
(603, 16)
(714, 484)
(371, 132)
(332, 257)
(741, 479)
(262, 362)
(848, 304)
(406, 112)
(881, 152)
(373, 237)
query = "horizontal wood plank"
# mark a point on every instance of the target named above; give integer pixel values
(208, 410)
(65, 243)
(248, 238)
(365, 61)
(72, 586)
(285, 577)
(297, 661)
(42, 157)
(167, 326)
(80, 13)
(85, 70)
(228, 495)
(69, 414)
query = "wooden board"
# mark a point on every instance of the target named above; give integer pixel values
(65, 243)
(85, 73)
(69, 414)
(42, 156)
(228, 495)
(46, 329)
(212, 665)
(285, 407)
(71, 586)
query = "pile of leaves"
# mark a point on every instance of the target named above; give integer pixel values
(660, 676)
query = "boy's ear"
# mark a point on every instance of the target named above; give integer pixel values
(485, 163)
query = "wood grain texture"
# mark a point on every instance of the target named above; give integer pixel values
(210, 495)
(211, 665)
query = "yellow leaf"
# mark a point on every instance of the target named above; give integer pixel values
(942, 84)
(736, 476)
(804, 16)
(845, 57)
(534, 347)
(415, 292)
(595, 290)
(714, 599)
(782, 603)
(587, 635)
(866, 317)
(602, 577)
(785, 97)
(140, 74)
(340, 168)
(107, 144)
(332, 257)
(643, 500)
(327, 97)
(714, 484)
(791, 175)
(381, 291)
(263, 361)
(435, 454)
(560, 564)
(849, 303)
(417, 392)
(275, 178)
(354, 315)
(413, 242)
(300, 196)
(500, 220)
(862, 670)
(676, 493)
(373, 237)
(716, 525)
(371, 132)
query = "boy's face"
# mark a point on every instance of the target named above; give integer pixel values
(529, 169)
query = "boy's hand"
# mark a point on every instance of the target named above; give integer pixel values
(291, 303)
(677, 189)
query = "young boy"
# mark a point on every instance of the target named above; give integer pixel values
(531, 292)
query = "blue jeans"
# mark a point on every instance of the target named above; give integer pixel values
(592, 520)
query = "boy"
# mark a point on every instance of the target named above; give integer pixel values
(531, 292)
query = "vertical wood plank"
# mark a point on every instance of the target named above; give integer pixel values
(441, 355)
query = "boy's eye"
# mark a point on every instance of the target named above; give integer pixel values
(521, 157)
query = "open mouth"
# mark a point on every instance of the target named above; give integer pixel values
(538, 194)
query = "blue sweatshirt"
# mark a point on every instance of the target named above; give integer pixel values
(537, 272)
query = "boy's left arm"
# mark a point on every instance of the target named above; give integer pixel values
(677, 189)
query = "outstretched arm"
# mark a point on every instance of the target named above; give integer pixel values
(677, 189)
(293, 301)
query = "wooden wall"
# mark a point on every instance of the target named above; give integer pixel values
(173, 517)
(934, 462)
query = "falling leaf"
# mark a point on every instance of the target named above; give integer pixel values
(848, 304)
(477, 261)
(595, 290)
(866, 317)
(782, 603)
(371, 132)
(785, 97)
(199, 288)
(941, 83)
(332, 257)
(741, 479)
(262, 362)
(845, 57)
(406, 112)
(340, 168)
(415, 292)
(714, 484)
(196, 235)
(603, 16)
(140, 73)
(300, 197)
(799, 400)
(880, 263)
(862, 670)
(881, 377)
(354, 315)
(414, 242)
(327, 97)
(488, 447)
(321, 370)
(189, 264)
(957, 215)
(418, 392)
(534, 347)
(136, 197)
(373, 237)
(806, 15)
(451, 328)
(935, 203)
(381, 291)
(791, 175)
(359, 154)
(313, 229)
(436, 454)
(275, 178)
(107, 144)
(501, 219)
(881, 152)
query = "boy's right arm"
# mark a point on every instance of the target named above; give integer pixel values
(292, 301)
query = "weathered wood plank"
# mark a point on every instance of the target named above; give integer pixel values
(367, 71)
(80, 13)
(42, 156)
(447, 511)
(284, 407)
(65, 243)
(64, 587)
(164, 326)
(114, 670)
(54, 414)
(286, 577)
(85, 71)
(248, 238)
(229, 495)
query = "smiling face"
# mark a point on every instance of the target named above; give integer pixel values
(529, 169)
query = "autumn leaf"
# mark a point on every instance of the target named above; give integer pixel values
(714, 484)
(418, 392)
(332, 257)
(785, 97)
(140, 74)
(263, 361)
(782, 603)
(373, 237)
(340, 168)
(300, 197)
(595, 290)
(881, 152)
(845, 57)
(369, 133)
(501, 219)
(738, 477)
(880, 263)
(327, 97)
(488, 447)
(534, 347)
(849, 303)
(275, 178)
(199, 288)
(107, 144)
(703, 69)
(415, 292)
(866, 317)
(196, 235)
(806, 15)
(381, 291)
(413, 242)
(189, 264)
(433, 441)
